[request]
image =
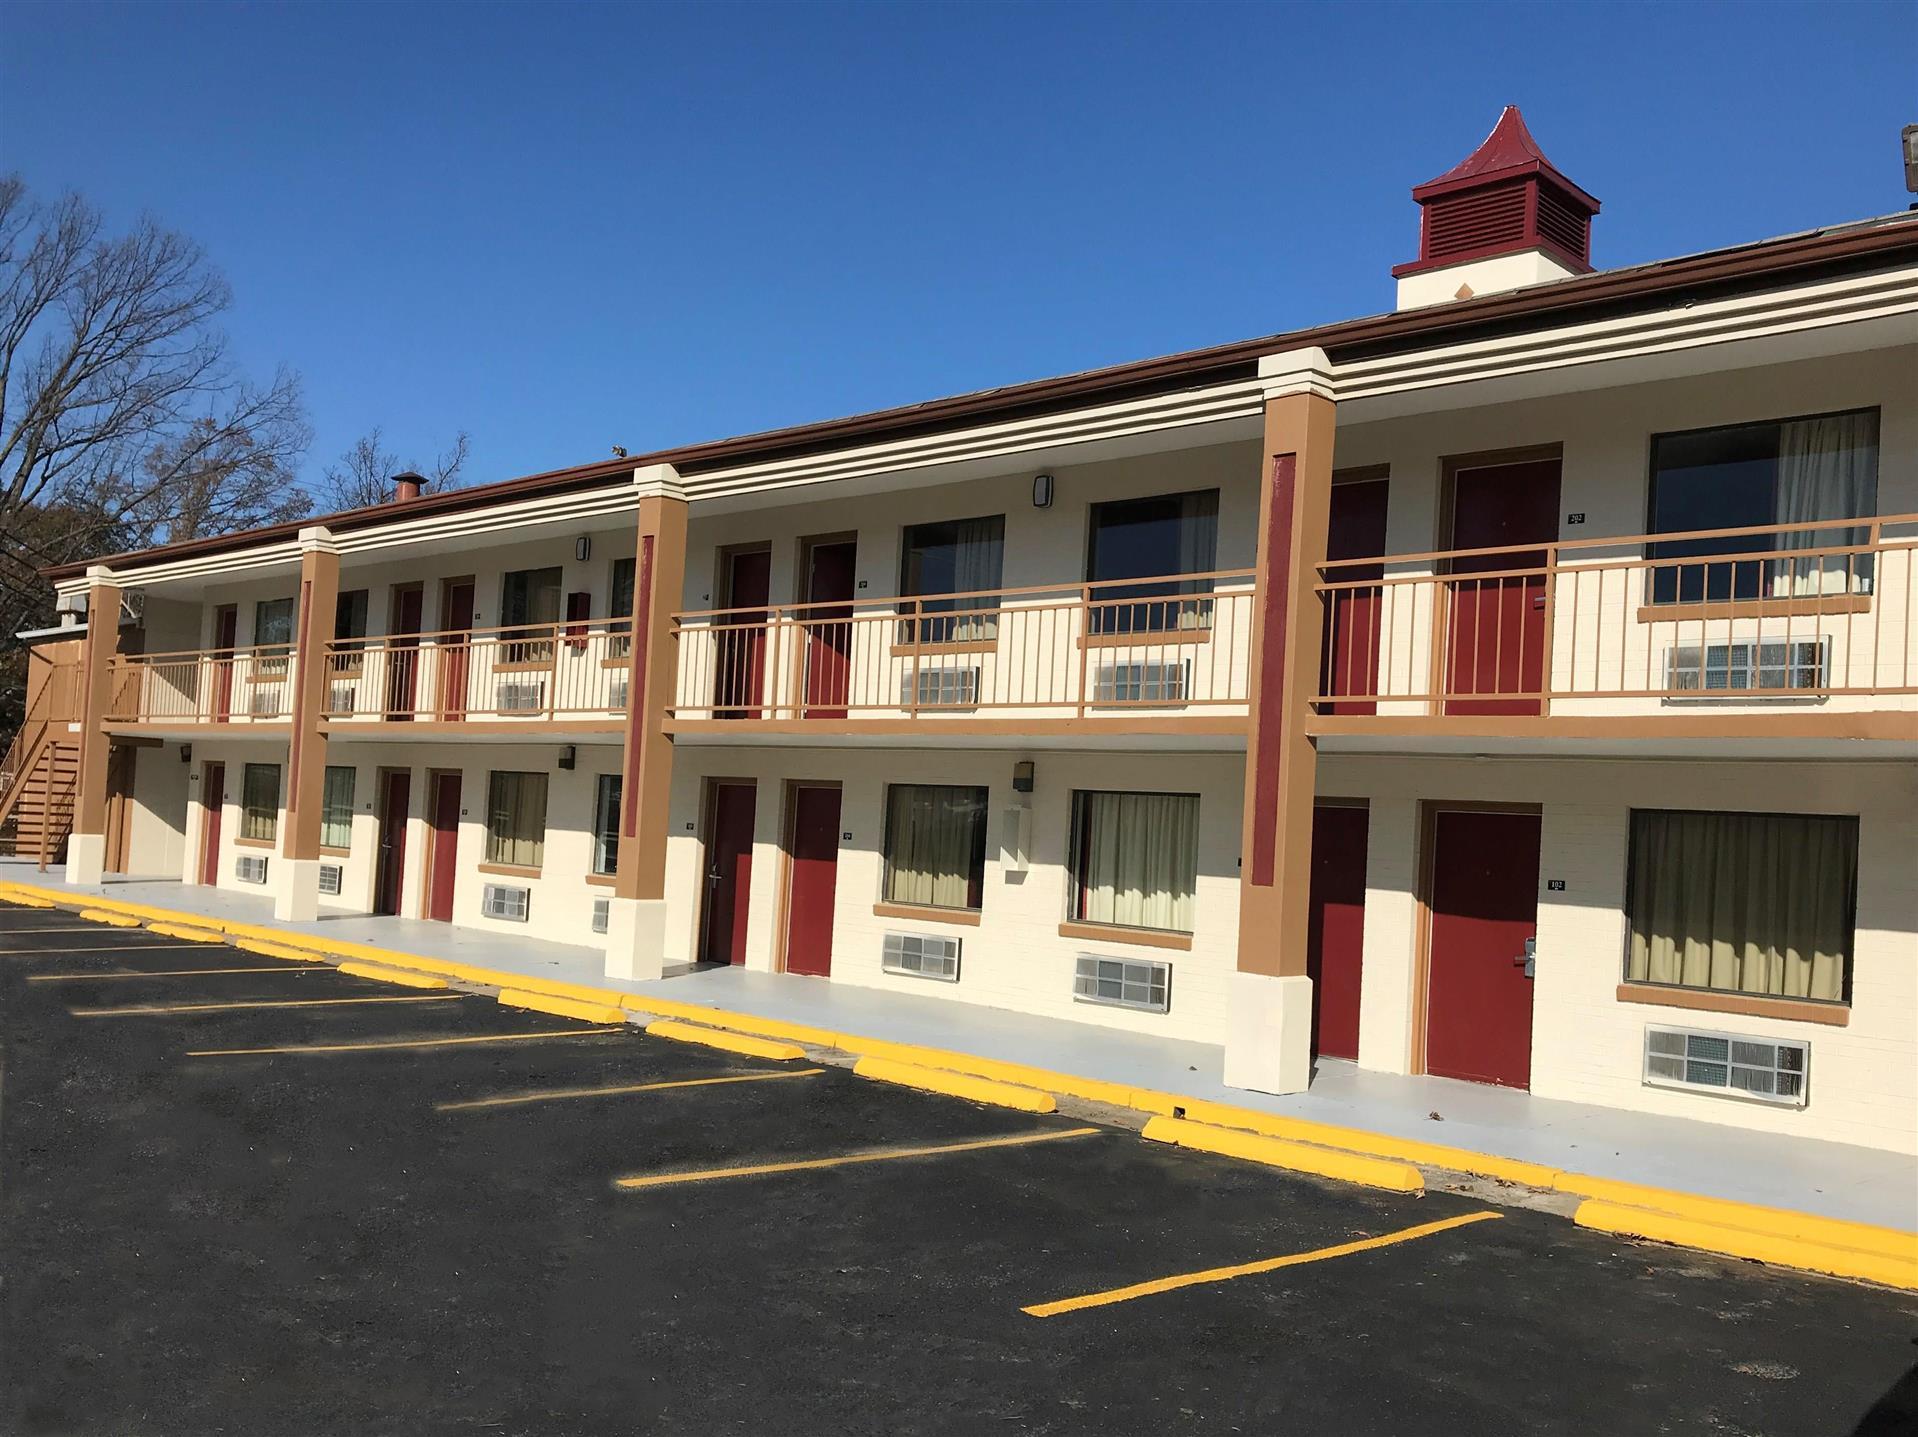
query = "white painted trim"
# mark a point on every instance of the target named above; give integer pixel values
(1297, 371)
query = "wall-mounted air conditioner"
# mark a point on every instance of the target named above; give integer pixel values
(602, 914)
(1771, 1070)
(250, 868)
(1123, 982)
(1149, 681)
(522, 698)
(511, 904)
(921, 955)
(616, 692)
(941, 688)
(330, 876)
(264, 702)
(1748, 666)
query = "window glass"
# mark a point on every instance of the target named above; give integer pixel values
(620, 605)
(272, 634)
(935, 845)
(260, 801)
(1149, 539)
(336, 807)
(954, 556)
(516, 819)
(349, 616)
(1135, 859)
(1755, 903)
(528, 597)
(606, 824)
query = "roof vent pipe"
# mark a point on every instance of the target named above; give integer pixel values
(406, 487)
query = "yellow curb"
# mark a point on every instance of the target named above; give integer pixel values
(995, 1070)
(731, 1042)
(1775, 1248)
(1771, 1221)
(1278, 1153)
(777, 1028)
(191, 935)
(559, 1007)
(957, 1085)
(392, 975)
(112, 920)
(25, 899)
(278, 950)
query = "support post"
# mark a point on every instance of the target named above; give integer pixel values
(636, 913)
(87, 845)
(296, 897)
(1269, 1034)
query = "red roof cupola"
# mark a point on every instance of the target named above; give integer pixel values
(1504, 198)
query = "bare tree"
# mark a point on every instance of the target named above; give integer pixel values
(363, 475)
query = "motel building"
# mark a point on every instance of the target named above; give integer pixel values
(1520, 686)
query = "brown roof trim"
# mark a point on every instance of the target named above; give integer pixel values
(1747, 266)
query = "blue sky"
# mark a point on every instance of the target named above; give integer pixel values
(563, 227)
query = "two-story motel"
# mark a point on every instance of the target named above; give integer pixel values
(1521, 686)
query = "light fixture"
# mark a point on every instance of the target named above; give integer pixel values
(1022, 776)
(1042, 491)
(186, 753)
(568, 756)
(582, 548)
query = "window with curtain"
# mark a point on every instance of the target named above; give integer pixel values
(1135, 859)
(516, 819)
(1760, 904)
(606, 824)
(620, 606)
(260, 801)
(528, 598)
(1154, 538)
(935, 845)
(1746, 476)
(336, 807)
(349, 618)
(272, 634)
(954, 556)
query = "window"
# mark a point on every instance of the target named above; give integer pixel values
(528, 597)
(1135, 859)
(260, 802)
(272, 634)
(1792, 471)
(1751, 903)
(956, 556)
(336, 807)
(349, 618)
(516, 819)
(1149, 539)
(935, 845)
(620, 606)
(606, 824)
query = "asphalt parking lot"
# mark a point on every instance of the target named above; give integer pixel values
(362, 1214)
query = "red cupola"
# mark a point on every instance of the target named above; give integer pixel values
(1505, 198)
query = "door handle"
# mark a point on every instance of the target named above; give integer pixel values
(1528, 960)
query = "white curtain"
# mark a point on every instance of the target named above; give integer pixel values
(1198, 554)
(516, 819)
(1138, 859)
(934, 845)
(978, 562)
(1827, 469)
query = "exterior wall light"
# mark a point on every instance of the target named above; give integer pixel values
(1042, 491)
(1022, 776)
(568, 755)
(582, 548)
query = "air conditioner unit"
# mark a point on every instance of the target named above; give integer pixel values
(602, 911)
(330, 876)
(264, 702)
(921, 955)
(941, 688)
(1154, 681)
(510, 904)
(1123, 982)
(617, 691)
(250, 868)
(340, 697)
(1771, 1070)
(522, 698)
(1748, 666)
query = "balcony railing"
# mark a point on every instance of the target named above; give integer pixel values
(240, 686)
(574, 669)
(1809, 613)
(1170, 646)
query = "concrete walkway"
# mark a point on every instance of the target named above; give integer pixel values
(1832, 1179)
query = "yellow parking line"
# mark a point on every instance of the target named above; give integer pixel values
(553, 1094)
(1249, 1269)
(401, 1043)
(877, 1155)
(264, 1003)
(112, 948)
(162, 973)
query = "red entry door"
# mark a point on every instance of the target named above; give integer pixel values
(829, 583)
(396, 791)
(446, 846)
(729, 872)
(815, 871)
(1497, 639)
(1335, 940)
(403, 653)
(1350, 661)
(226, 633)
(1484, 902)
(741, 680)
(212, 809)
(455, 649)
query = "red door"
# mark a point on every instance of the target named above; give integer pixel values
(212, 809)
(403, 653)
(1497, 636)
(1484, 902)
(741, 679)
(396, 791)
(455, 649)
(1336, 938)
(729, 872)
(446, 846)
(1350, 661)
(815, 870)
(226, 633)
(829, 583)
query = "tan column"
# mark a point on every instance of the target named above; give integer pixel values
(297, 891)
(87, 846)
(636, 919)
(1268, 1041)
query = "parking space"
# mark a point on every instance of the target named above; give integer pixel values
(384, 1216)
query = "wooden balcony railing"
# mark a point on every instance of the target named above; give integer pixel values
(203, 686)
(1816, 612)
(578, 668)
(1177, 645)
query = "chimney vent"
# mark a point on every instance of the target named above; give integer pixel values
(407, 487)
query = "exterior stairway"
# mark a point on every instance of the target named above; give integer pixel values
(37, 796)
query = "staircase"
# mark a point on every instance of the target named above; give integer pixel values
(38, 783)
